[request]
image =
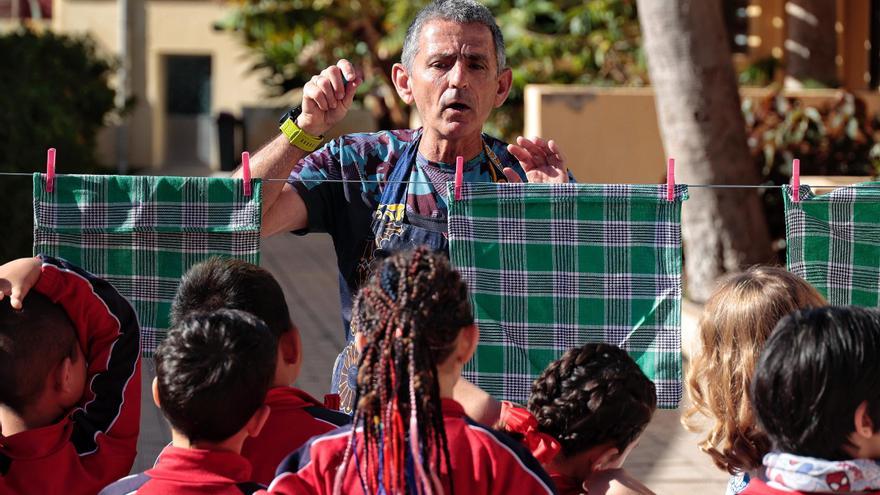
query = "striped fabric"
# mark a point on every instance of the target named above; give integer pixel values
(834, 242)
(142, 233)
(553, 266)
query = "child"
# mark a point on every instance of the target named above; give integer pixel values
(69, 379)
(212, 374)
(586, 413)
(294, 415)
(736, 322)
(417, 331)
(815, 393)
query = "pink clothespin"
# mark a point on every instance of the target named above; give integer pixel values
(246, 172)
(459, 176)
(50, 170)
(670, 179)
(796, 180)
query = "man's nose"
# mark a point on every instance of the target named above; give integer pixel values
(458, 75)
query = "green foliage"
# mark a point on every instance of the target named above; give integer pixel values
(838, 138)
(54, 93)
(570, 41)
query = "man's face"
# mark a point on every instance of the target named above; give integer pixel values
(454, 79)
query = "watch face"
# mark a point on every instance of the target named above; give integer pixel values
(292, 114)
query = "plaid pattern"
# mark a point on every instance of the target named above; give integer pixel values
(554, 266)
(142, 233)
(834, 242)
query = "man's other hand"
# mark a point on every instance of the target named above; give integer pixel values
(541, 160)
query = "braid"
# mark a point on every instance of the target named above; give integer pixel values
(411, 312)
(592, 395)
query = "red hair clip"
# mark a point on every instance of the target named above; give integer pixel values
(519, 420)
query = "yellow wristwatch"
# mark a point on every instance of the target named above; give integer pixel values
(298, 137)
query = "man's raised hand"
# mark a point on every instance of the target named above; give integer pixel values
(327, 97)
(541, 160)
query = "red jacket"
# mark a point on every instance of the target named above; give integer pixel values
(758, 487)
(96, 443)
(483, 461)
(295, 417)
(181, 471)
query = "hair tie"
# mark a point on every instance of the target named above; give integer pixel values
(519, 420)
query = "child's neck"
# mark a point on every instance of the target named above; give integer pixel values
(12, 422)
(578, 467)
(232, 444)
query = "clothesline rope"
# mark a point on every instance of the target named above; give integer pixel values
(704, 186)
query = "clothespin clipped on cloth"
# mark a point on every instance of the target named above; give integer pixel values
(246, 172)
(50, 170)
(459, 176)
(670, 179)
(796, 180)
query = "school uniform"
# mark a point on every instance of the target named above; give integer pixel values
(758, 487)
(294, 418)
(180, 471)
(483, 461)
(95, 443)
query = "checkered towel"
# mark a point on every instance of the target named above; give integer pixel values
(142, 233)
(554, 266)
(834, 242)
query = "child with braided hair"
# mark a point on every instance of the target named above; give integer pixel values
(417, 331)
(585, 415)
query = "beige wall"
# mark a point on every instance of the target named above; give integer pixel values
(159, 28)
(610, 135)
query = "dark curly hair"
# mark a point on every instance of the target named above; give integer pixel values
(411, 312)
(592, 395)
(213, 371)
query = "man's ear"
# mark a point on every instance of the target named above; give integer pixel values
(400, 78)
(864, 426)
(607, 459)
(258, 420)
(290, 347)
(505, 82)
(155, 388)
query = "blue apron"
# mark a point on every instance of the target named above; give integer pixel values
(395, 230)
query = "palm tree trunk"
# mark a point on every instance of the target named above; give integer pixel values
(702, 127)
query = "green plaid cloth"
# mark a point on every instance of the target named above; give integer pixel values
(834, 242)
(142, 233)
(553, 266)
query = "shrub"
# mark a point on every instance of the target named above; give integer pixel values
(54, 93)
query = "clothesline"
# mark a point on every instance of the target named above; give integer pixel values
(704, 186)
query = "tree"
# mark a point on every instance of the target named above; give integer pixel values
(54, 93)
(702, 127)
(569, 41)
(811, 43)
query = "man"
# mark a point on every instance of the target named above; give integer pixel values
(381, 192)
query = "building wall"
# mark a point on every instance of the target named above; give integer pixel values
(159, 28)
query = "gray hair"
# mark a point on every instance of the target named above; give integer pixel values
(458, 11)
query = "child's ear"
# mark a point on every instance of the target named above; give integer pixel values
(258, 420)
(607, 459)
(360, 341)
(467, 343)
(864, 426)
(63, 377)
(400, 78)
(290, 346)
(155, 388)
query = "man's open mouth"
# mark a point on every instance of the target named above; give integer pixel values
(457, 106)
